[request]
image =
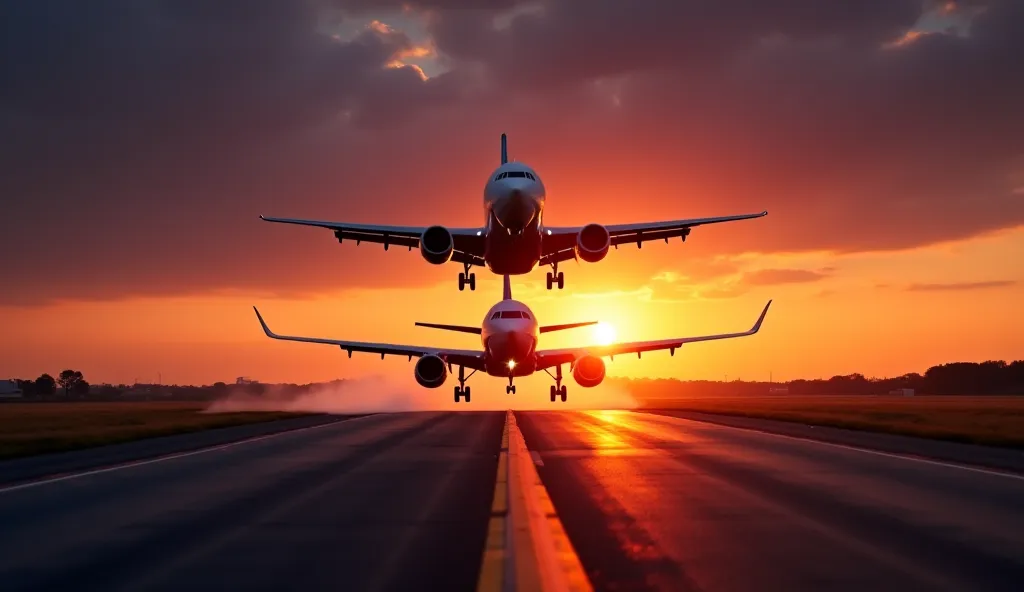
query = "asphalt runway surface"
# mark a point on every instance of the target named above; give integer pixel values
(403, 501)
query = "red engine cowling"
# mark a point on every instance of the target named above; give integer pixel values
(588, 371)
(431, 371)
(437, 245)
(592, 243)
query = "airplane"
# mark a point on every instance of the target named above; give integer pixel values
(509, 335)
(513, 239)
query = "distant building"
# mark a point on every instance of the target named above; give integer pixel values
(9, 389)
(245, 380)
(778, 390)
(903, 392)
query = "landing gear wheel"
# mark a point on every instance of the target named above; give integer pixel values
(556, 278)
(553, 393)
(472, 281)
(510, 390)
(458, 394)
(561, 391)
(465, 392)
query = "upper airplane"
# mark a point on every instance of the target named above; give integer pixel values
(509, 335)
(513, 239)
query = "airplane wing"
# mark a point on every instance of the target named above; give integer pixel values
(469, 242)
(468, 358)
(554, 357)
(560, 241)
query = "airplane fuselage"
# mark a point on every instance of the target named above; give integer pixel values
(513, 210)
(509, 335)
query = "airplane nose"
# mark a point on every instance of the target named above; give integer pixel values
(517, 210)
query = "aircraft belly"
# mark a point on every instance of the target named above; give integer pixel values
(512, 254)
(502, 347)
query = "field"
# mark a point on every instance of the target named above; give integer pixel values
(35, 428)
(992, 420)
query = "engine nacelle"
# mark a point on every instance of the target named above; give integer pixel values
(588, 371)
(431, 371)
(592, 243)
(437, 245)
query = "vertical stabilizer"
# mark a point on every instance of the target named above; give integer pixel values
(504, 149)
(507, 295)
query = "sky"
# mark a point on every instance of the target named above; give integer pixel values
(143, 139)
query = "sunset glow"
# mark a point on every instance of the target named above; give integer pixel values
(894, 240)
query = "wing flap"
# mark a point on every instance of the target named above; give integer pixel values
(469, 242)
(559, 242)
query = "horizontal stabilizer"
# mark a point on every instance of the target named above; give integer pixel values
(459, 328)
(550, 328)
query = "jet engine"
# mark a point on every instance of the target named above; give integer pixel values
(592, 243)
(437, 245)
(588, 371)
(431, 371)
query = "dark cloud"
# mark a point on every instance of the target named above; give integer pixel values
(771, 277)
(141, 139)
(961, 286)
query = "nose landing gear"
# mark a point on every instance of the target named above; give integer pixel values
(462, 390)
(466, 278)
(511, 388)
(556, 277)
(558, 389)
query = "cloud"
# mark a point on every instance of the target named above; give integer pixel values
(770, 277)
(961, 286)
(142, 139)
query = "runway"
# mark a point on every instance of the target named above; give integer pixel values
(407, 501)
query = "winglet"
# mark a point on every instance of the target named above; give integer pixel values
(507, 294)
(504, 149)
(760, 319)
(266, 329)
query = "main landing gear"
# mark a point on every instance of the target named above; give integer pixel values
(462, 390)
(557, 389)
(511, 388)
(556, 277)
(467, 278)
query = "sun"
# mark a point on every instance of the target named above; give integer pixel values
(604, 333)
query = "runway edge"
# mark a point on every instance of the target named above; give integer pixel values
(527, 547)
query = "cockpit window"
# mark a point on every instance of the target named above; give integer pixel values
(517, 174)
(526, 315)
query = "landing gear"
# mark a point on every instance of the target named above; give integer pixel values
(467, 278)
(558, 389)
(556, 277)
(462, 390)
(511, 388)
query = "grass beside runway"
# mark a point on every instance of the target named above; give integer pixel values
(990, 420)
(36, 428)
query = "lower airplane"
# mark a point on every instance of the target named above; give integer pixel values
(509, 335)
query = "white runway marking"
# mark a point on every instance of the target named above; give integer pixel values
(47, 481)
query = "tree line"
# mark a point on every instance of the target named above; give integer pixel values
(71, 382)
(994, 377)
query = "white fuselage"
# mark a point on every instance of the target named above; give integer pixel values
(509, 335)
(514, 209)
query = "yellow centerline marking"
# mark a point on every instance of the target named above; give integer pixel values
(495, 560)
(527, 547)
